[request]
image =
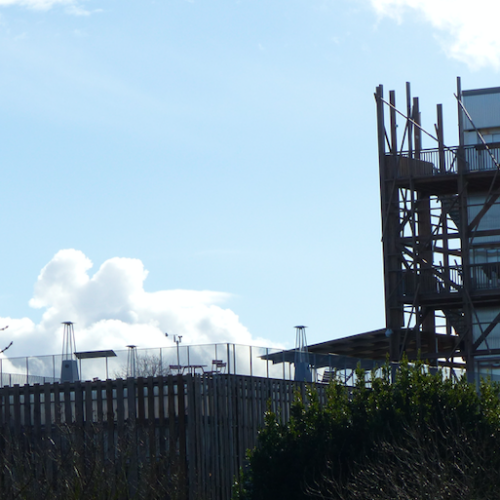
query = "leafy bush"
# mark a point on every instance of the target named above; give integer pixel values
(419, 436)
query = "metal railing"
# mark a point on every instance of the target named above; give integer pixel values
(441, 280)
(476, 159)
(438, 279)
(485, 276)
(234, 359)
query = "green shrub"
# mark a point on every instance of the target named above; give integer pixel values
(421, 435)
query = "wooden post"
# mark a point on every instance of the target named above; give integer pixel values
(110, 422)
(28, 430)
(182, 436)
(131, 433)
(68, 411)
(151, 420)
(78, 428)
(161, 410)
(172, 435)
(99, 423)
(192, 438)
(120, 427)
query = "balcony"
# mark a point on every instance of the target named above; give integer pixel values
(476, 159)
(440, 280)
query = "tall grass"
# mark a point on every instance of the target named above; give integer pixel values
(73, 464)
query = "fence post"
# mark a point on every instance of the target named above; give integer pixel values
(234, 359)
(131, 432)
(182, 435)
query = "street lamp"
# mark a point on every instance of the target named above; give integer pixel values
(177, 340)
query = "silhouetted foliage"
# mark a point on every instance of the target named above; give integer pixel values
(419, 436)
(55, 469)
(147, 365)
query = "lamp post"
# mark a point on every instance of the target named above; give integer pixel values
(177, 340)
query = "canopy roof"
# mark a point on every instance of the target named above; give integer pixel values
(369, 347)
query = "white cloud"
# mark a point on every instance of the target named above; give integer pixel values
(111, 309)
(72, 6)
(77, 10)
(36, 4)
(469, 31)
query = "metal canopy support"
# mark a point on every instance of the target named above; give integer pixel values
(94, 355)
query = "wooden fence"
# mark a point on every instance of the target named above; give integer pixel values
(198, 428)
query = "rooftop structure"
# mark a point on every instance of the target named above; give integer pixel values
(69, 366)
(207, 359)
(441, 232)
(301, 356)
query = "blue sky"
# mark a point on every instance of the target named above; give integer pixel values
(227, 147)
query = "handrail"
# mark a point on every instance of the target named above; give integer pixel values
(484, 276)
(475, 157)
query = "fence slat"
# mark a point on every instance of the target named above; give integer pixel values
(98, 427)
(199, 443)
(37, 413)
(182, 435)
(27, 407)
(161, 411)
(131, 433)
(151, 418)
(120, 427)
(110, 422)
(172, 435)
(56, 389)
(68, 411)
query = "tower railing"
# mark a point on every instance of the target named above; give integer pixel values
(476, 159)
(484, 276)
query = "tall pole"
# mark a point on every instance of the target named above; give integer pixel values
(178, 340)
